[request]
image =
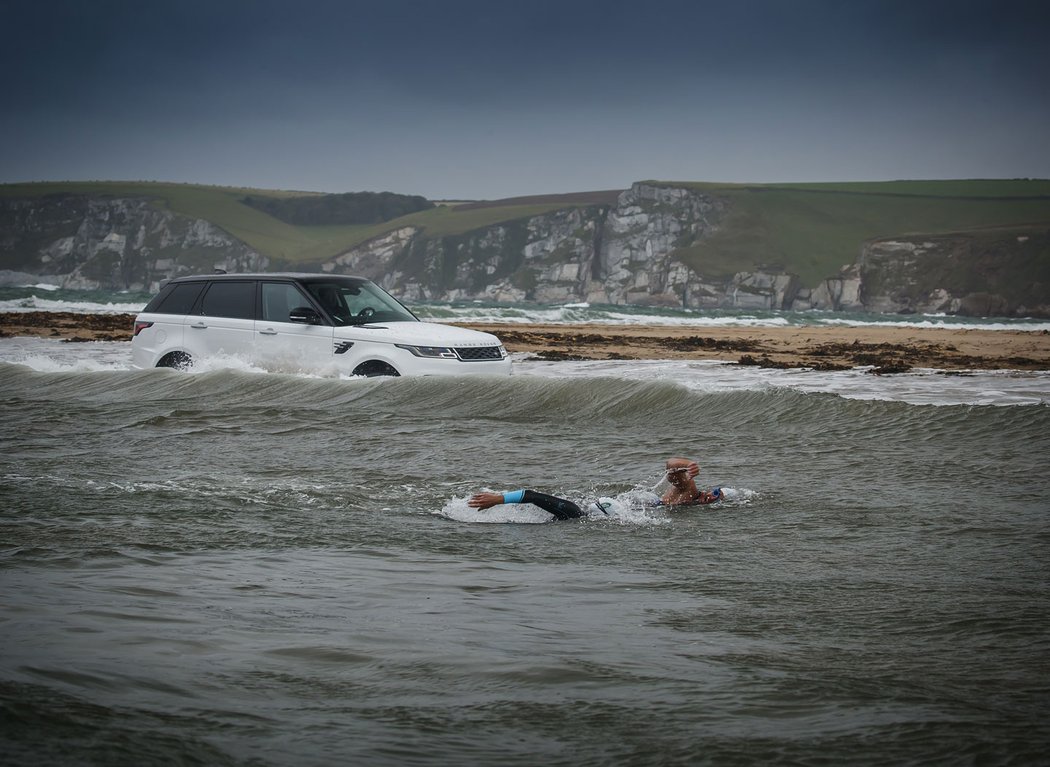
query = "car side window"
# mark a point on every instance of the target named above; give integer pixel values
(230, 299)
(179, 300)
(278, 300)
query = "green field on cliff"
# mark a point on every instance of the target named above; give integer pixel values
(814, 229)
(808, 229)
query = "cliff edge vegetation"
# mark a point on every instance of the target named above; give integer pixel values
(811, 230)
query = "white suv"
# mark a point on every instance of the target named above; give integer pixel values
(304, 322)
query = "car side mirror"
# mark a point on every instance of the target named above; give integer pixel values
(304, 315)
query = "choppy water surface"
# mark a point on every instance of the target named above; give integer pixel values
(234, 567)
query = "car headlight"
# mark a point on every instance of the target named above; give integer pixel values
(434, 352)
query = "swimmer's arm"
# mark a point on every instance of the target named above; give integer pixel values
(559, 507)
(483, 501)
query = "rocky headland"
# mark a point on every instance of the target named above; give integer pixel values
(638, 247)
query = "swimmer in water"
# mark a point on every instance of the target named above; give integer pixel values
(681, 473)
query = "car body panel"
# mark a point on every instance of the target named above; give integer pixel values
(293, 346)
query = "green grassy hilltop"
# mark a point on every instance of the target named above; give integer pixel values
(813, 229)
(808, 229)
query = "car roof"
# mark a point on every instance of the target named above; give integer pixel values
(298, 276)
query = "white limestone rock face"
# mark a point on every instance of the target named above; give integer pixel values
(641, 233)
(602, 254)
(92, 243)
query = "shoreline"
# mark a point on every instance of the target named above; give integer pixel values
(884, 349)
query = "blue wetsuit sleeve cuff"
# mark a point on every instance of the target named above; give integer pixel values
(514, 497)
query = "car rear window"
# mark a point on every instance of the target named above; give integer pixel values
(230, 299)
(178, 300)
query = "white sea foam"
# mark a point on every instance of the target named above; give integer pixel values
(223, 362)
(623, 513)
(580, 313)
(35, 303)
(938, 324)
(48, 355)
(521, 513)
(572, 314)
(918, 387)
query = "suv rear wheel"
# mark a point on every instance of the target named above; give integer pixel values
(176, 360)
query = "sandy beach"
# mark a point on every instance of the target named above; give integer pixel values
(886, 349)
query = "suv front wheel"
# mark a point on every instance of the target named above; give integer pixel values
(374, 368)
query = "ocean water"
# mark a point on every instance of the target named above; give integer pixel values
(237, 567)
(51, 298)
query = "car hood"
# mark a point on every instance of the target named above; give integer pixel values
(417, 333)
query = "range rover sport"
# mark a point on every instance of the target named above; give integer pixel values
(326, 324)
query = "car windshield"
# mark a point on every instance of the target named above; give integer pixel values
(357, 303)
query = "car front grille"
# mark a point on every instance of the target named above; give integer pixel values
(477, 353)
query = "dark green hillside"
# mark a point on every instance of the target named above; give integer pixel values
(813, 229)
(995, 269)
(339, 209)
(222, 206)
(570, 200)
(296, 243)
(808, 229)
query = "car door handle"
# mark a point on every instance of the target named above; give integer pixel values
(198, 325)
(268, 332)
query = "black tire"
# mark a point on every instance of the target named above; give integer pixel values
(176, 361)
(374, 368)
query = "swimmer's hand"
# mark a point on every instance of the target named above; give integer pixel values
(483, 501)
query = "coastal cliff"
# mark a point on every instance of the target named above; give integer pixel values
(86, 242)
(984, 273)
(649, 245)
(631, 252)
(618, 254)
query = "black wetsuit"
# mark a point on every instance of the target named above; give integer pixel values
(559, 507)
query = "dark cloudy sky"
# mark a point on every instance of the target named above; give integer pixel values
(493, 98)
